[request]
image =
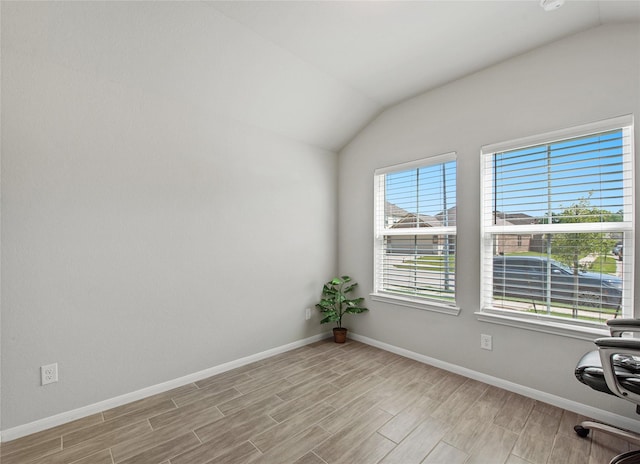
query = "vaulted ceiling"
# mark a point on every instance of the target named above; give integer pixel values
(389, 51)
(314, 71)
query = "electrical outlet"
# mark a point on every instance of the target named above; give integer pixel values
(49, 373)
(307, 313)
(486, 342)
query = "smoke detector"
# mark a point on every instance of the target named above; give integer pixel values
(550, 5)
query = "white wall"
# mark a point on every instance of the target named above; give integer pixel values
(149, 229)
(587, 77)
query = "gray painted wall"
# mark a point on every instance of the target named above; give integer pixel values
(588, 77)
(146, 235)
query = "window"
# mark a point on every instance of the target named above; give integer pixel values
(415, 233)
(557, 226)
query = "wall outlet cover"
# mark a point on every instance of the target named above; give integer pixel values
(49, 373)
(486, 342)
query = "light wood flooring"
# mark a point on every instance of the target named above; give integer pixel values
(323, 403)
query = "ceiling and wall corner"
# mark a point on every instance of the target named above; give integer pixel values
(392, 51)
(317, 72)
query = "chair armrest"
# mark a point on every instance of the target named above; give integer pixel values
(619, 342)
(619, 326)
(623, 353)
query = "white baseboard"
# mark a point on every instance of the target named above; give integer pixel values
(564, 403)
(63, 418)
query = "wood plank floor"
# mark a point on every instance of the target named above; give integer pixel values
(323, 404)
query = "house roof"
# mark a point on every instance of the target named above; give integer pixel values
(393, 210)
(451, 215)
(517, 218)
(419, 220)
(410, 219)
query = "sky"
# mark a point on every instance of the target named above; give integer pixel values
(534, 180)
(430, 198)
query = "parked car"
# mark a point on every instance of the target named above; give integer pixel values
(529, 276)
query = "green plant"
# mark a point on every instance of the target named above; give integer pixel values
(335, 302)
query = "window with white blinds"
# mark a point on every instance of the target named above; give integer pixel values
(557, 225)
(415, 231)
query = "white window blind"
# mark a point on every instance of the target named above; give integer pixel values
(415, 230)
(558, 224)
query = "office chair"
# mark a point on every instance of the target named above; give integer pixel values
(614, 368)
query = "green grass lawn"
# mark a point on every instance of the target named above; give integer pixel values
(601, 317)
(434, 263)
(604, 265)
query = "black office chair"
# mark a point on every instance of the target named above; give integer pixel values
(614, 368)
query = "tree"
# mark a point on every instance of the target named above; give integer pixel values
(573, 246)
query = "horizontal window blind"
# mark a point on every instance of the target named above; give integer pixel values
(415, 217)
(554, 216)
(419, 266)
(562, 282)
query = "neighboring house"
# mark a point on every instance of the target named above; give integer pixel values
(448, 219)
(427, 245)
(393, 213)
(418, 220)
(514, 243)
(436, 244)
(511, 243)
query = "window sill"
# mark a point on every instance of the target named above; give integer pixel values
(581, 332)
(425, 305)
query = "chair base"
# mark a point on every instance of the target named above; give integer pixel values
(630, 457)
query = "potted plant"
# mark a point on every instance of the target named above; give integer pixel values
(335, 303)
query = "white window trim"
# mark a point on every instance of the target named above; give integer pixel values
(393, 298)
(581, 332)
(554, 136)
(436, 159)
(426, 305)
(548, 324)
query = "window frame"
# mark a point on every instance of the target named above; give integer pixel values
(549, 324)
(417, 302)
